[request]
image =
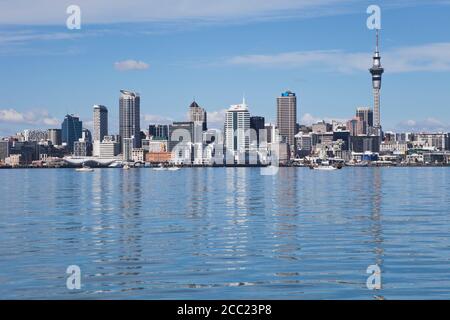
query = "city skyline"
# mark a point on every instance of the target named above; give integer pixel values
(214, 73)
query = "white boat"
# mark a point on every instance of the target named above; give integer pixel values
(84, 169)
(174, 168)
(160, 168)
(325, 168)
(126, 167)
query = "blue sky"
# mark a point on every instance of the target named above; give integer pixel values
(172, 51)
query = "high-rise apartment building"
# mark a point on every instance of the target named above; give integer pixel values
(287, 117)
(100, 122)
(129, 117)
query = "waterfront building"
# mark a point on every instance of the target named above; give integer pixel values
(237, 125)
(127, 149)
(71, 130)
(376, 71)
(54, 135)
(15, 160)
(80, 148)
(28, 150)
(109, 147)
(138, 155)
(158, 157)
(100, 123)
(4, 149)
(129, 118)
(287, 117)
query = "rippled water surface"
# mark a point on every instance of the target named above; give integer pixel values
(225, 233)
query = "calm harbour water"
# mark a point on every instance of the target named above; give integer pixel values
(225, 233)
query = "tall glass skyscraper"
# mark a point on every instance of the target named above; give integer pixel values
(129, 117)
(71, 130)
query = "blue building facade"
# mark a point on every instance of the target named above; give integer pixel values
(71, 130)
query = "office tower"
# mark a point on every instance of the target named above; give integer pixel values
(376, 71)
(180, 132)
(355, 126)
(197, 115)
(257, 124)
(287, 117)
(54, 135)
(100, 122)
(366, 116)
(4, 149)
(158, 131)
(71, 130)
(237, 125)
(129, 117)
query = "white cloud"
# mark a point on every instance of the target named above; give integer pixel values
(36, 117)
(22, 36)
(432, 57)
(216, 119)
(308, 119)
(107, 11)
(427, 125)
(156, 119)
(128, 65)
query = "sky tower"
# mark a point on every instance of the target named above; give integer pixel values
(377, 72)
